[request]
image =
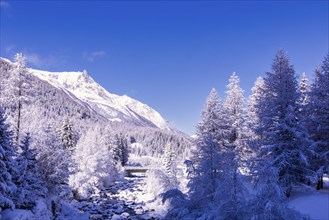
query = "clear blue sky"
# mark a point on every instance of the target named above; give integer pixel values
(167, 54)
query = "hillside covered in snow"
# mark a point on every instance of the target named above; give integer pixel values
(44, 99)
(81, 88)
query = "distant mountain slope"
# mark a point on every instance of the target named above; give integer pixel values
(81, 90)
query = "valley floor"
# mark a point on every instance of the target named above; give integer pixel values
(126, 199)
(129, 199)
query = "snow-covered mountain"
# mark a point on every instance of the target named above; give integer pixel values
(82, 89)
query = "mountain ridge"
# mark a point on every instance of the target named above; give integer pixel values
(83, 89)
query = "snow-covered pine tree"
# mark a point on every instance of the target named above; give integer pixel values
(121, 151)
(54, 160)
(8, 166)
(214, 120)
(207, 158)
(257, 94)
(304, 99)
(319, 119)
(66, 134)
(169, 159)
(29, 183)
(109, 141)
(215, 189)
(303, 113)
(253, 120)
(19, 72)
(282, 136)
(116, 150)
(304, 90)
(236, 114)
(234, 158)
(112, 142)
(234, 105)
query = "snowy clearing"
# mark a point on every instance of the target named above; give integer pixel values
(315, 204)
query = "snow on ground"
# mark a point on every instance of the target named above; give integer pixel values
(125, 199)
(315, 203)
(129, 199)
(17, 214)
(42, 212)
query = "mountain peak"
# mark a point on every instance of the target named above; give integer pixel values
(81, 87)
(86, 89)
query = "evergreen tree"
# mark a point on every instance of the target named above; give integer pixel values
(66, 134)
(235, 158)
(115, 151)
(303, 102)
(109, 142)
(54, 160)
(304, 90)
(8, 166)
(214, 120)
(319, 119)
(235, 112)
(29, 184)
(216, 185)
(117, 146)
(205, 183)
(169, 159)
(253, 121)
(234, 105)
(257, 94)
(207, 159)
(282, 136)
(20, 70)
(120, 150)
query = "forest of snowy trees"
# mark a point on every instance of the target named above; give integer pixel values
(276, 141)
(249, 154)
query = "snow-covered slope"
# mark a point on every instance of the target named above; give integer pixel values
(111, 106)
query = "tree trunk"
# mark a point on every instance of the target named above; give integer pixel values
(19, 109)
(18, 121)
(318, 184)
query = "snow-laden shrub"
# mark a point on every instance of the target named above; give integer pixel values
(68, 211)
(270, 201)
(176, 202)
(16, 214)
(157, 182)
(42, 210)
